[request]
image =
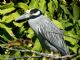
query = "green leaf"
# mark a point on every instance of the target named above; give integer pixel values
(42, 5)
(37, 45)
(68, 24)
(9, 30)
(57, 23)
(76, 12)
(18, 24)
(79, 22)
(56, 3)
(4, 57)
(24, 6)
(4, 37)
(68, 37)
(10, 17)
(17, 54)
(6, 6)
(7, 19)
(30, 33)
(22, 29)
(51, 8)
(15, 15)
(8, 10)
(74, 49)
(33, 4)
(66, 11)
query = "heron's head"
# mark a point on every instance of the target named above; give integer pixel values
(32, 13)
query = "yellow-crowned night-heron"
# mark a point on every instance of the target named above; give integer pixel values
(50, 36)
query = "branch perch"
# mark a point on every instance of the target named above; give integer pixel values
(42, 54)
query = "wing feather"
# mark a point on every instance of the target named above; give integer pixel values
(53, 35)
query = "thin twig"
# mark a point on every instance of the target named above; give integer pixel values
(25, 57)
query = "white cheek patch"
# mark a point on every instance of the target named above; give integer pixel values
(37, 13)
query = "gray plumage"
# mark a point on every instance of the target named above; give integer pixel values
(50, 36)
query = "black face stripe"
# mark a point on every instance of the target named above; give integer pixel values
(34, 11)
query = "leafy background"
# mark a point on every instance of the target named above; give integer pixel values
(64, 13)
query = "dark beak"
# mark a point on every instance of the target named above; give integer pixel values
(24, 16)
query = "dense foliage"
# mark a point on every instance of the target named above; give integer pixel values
(64, 13)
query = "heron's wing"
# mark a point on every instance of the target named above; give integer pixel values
(53, 35)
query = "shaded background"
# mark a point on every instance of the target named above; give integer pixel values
(64, 13)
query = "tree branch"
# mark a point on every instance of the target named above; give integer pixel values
(42, 54)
